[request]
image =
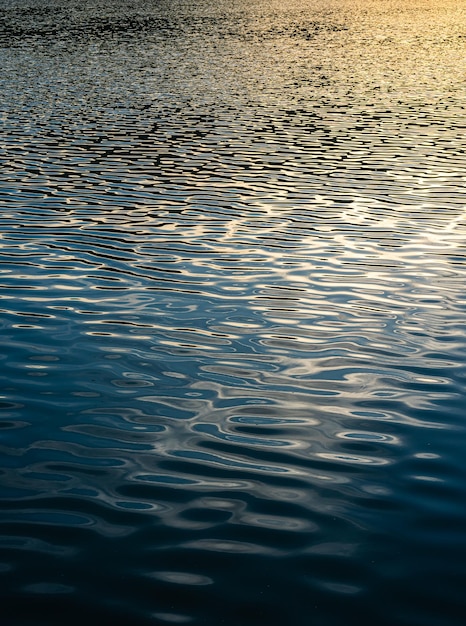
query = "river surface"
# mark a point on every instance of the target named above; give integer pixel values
(233, 313)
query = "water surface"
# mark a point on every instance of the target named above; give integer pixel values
(232, 307)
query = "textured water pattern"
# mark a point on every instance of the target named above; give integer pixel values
(233, 313)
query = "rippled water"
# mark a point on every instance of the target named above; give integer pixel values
(233, 313)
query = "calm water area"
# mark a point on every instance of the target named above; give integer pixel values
(233, 313)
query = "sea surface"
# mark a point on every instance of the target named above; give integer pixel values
(233, 313)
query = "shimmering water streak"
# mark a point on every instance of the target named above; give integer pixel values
(232, 305)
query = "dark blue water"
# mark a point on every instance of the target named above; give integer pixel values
(233, 313)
